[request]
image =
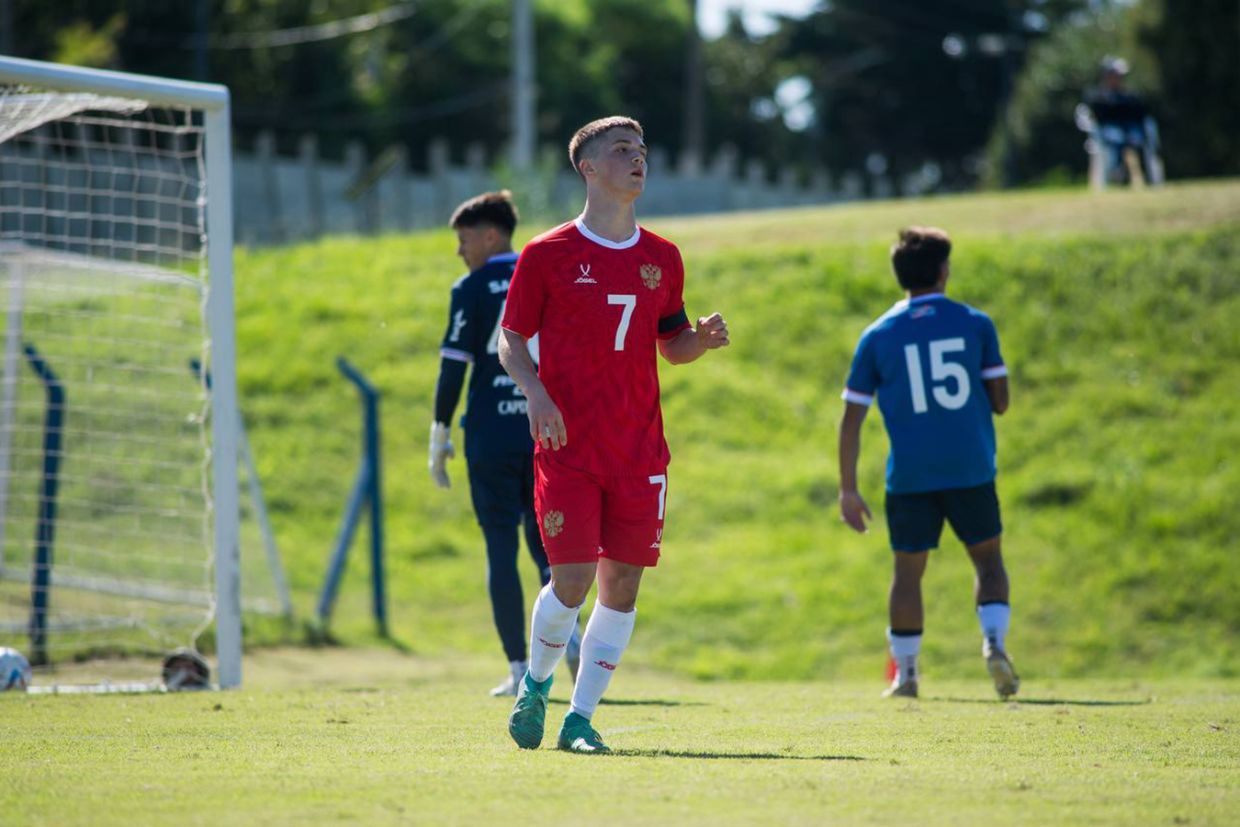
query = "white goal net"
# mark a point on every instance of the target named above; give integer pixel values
(118, 485)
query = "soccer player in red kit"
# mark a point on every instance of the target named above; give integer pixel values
(603, 295)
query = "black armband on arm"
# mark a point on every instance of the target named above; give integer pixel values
(448, 391)
(669, 324)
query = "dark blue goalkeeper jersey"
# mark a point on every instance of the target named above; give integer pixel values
(926, 361)
(495, 411)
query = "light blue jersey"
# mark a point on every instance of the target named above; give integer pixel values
(926, 360)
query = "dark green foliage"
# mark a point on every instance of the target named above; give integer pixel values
(883, 83)
(886, 84)
(1198, 81)
(1042, 141)
(1178, 66)
(442, 72)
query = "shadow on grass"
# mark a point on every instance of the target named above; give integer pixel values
(735, 756)
(1040, 702)
(632, 702)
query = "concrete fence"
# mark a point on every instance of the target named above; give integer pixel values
(281, 199)
(136, 198)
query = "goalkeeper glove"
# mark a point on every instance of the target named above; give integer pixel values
(441, 451)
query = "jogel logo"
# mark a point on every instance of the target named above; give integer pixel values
(553, 523)
(651, 275)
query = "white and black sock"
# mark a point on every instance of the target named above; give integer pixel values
(905, 645)
(994, 618)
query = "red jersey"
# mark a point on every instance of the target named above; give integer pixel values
(598, 307)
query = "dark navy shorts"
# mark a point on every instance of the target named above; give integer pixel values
(502, 487)
(915, 521)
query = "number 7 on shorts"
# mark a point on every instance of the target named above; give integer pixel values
(661, 481)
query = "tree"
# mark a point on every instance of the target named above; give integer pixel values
(1176, 66)
(741, 75)
(907, 83)
(1198, 85)
(1041, 141)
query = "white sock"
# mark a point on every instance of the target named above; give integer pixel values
(994, 619)
(518, 668)
(551, 624)
(905, 649)
(607, 636)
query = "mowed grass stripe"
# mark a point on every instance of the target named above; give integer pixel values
(423, 744)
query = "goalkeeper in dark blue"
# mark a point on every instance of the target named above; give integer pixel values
(498, 450)
(934, 367)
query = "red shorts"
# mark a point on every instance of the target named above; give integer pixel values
(584, 516)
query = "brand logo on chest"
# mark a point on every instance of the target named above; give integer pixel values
(584, 278)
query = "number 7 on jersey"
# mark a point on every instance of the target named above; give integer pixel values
(629, 301)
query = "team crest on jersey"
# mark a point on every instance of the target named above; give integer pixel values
(651, 275)
(553, 523)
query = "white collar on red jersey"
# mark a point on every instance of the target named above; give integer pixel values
(608, 243)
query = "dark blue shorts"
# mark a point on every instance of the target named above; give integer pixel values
(502, 487)
(915, 521)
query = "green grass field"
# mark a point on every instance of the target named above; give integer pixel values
(369, 737)
(750, 694)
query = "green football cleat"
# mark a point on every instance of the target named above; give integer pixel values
(999, 665)
(578, 736)
(529, 713)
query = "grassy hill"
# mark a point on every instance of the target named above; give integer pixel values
(1118, 474)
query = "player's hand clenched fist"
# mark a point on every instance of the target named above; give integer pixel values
(712, 331)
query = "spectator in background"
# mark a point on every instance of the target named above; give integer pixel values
(1118, 122)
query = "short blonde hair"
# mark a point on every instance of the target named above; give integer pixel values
(585, 137)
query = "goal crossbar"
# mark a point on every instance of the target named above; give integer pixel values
(161, 91)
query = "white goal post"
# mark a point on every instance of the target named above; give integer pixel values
(34, 94)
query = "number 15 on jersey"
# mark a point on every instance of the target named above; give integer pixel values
(942, 372)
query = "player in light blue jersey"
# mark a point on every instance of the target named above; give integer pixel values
(934, 366)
